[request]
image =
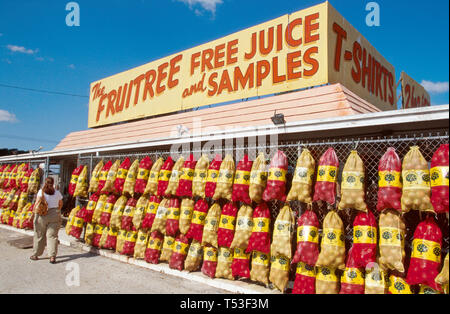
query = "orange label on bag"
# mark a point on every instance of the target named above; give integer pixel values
(306, 270)
(242, 177)
(389, 179)
(261, 224)
(327, 174)
(427, 250)
(365, 234)
(277, 174)
(439, 176)
(307, 234)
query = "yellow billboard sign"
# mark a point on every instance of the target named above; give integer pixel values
(284, 54)
(414, 95)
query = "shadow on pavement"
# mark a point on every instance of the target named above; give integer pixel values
(68, 258)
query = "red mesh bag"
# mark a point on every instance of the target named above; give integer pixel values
(74, 179)
(389, 183)
(173, 217)
(180, 251)
(105, 216)
(352, 280)
(11, 218)
(25, 180)
(127, 217)
(21, 175)
(260, 238)
(227, 225)
(111, 239)
(426, 255)
(213, 174)
(439, 179)
(325, 187)
(28, 222)
(150, 212)
(154, 247)
(130, 242)
(241, 182)
(122, 175)
(305, 279)
(90, 207)
(103, 176)
(209, 261)
(364, 249)
(11, 182)
(78, 223)
(164, 176)
(307, 239)
(6, 175)
(143, 173)
(98, 231)
(240, 267)
(13, 204)
(187, 175)
(198, 220)
(276, 181)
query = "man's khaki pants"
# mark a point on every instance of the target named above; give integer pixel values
(46, 230)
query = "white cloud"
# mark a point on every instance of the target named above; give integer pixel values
(435, 87)
(71, 66)
(6, 116)
(208, 5)
(21, 49)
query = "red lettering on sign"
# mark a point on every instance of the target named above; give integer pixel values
(310, 27)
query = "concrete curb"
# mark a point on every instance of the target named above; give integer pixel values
(238, 287)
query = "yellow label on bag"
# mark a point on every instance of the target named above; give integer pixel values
(198, 218)
(240, 254)
(242, 177)
(187, 174)
(259, 258)
(142, 238)
(155, 244)
(303, 175)
(352, 180)
(173, 213)
(439, 176)
(153, 176)
(389, 179)
(211, 224)
(416, 179)
(327, 174)
(281, 263)
(258, 177)
(129, 211)
(307, 234)
(131, 236)
(164, 175)
(186, 212)
(391, 236)
(91, 205)
(200, 175)
(108, 208)
(210, 254)
(277, 174)
(261, 224)
(113, 232)
(195, 250)
(122, 173)
(365, 234)
(98, 229)
(162, 212)
(326, 274)
(225, 255)
(152, 207)
(398, 285)
(121, 235)
(25, 180)
(306, 270)
(213, 175)
(103, 175)
(353, 276)
(74, 179)
(333, 237)
(79, 222)
(227, 222)
(427, 250)
(244, 223)
(225, 176)
(282, 228)
(143, 174)
(424, 289)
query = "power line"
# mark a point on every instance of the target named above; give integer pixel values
(43, 91)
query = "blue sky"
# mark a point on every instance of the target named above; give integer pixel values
(38, 50)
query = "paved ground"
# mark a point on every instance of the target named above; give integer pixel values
(18, 274)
